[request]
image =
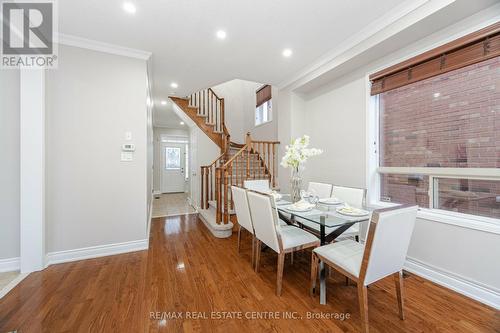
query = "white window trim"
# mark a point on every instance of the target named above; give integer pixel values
(270, 116)
(373, 171)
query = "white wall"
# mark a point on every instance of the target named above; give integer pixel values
(335, 117)
(158, 132)
(203, 152)
(239, 98)
(9, 166)
(335, 121)
(92, 197)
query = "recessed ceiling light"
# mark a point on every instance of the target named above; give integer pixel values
(163, 102)
(221, 34)
(182, 123)
(287, 53)
(174, 85)
(129, 7)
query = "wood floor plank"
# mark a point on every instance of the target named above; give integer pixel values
(187, 271)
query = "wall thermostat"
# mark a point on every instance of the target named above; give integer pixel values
(128, 147)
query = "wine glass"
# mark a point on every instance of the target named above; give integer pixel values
(304, 194)
(313, 197)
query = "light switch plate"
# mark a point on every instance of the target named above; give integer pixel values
(128, 135)
(127, 156)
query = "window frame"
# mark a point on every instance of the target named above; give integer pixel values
(269, 115)
(374, 170)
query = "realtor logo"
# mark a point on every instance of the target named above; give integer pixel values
(28, 30)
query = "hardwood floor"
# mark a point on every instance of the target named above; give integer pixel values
(188, 272)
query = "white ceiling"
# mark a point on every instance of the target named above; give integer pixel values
(180, 34)
(164, 116)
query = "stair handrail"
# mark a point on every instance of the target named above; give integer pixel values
(214, 161)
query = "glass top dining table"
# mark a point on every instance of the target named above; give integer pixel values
(328, 221)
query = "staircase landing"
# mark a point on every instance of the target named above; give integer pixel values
(218, 230)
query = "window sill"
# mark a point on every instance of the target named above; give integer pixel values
(478, 223)
(262, 124)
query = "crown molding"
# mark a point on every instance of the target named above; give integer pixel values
(393, 22)
(94, 45)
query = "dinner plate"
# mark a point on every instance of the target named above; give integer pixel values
(296, 209)
(330, 201)
(354, 212)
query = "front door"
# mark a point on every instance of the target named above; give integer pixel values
(172, 166)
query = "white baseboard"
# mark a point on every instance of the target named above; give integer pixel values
(96, 251)
(10, 264)
(449, 280)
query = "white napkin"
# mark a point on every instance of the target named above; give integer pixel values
(302, 205)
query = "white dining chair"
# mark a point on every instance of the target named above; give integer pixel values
(353, 197)
(280, 239)
(383, 255)
(243, 215)
(259, 185)
(322, 190)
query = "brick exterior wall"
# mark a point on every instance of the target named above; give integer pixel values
(452, 120)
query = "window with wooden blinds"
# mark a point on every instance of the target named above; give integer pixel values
(263, 95)
(470, 49)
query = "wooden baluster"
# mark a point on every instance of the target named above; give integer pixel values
(216, 114)
(201, 187)
(254, 165)
(222, 117)
(264, 154)
(274, 166)
(218, 196)
(209, 107)
(206, 187)
(229, 193)
(212, 168)
(248, 163)
(242, 170)
(263, 161)
(238, 166)
(269, 162)
(226, 180)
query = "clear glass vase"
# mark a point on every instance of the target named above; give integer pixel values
(295, 185)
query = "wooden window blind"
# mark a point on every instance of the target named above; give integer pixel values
(263, 95)
(470, 49)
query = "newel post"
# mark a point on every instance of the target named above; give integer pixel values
(248, 143)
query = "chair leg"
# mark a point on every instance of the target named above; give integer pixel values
(257, 256)
(253, 251)
(279, 278)
(363, 306)
(314, 272)
(291, 258)
(347, 281)
(398, 279)
(239, 238)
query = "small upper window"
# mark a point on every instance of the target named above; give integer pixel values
(263, 107)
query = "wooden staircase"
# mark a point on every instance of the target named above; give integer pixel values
(252, 159)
